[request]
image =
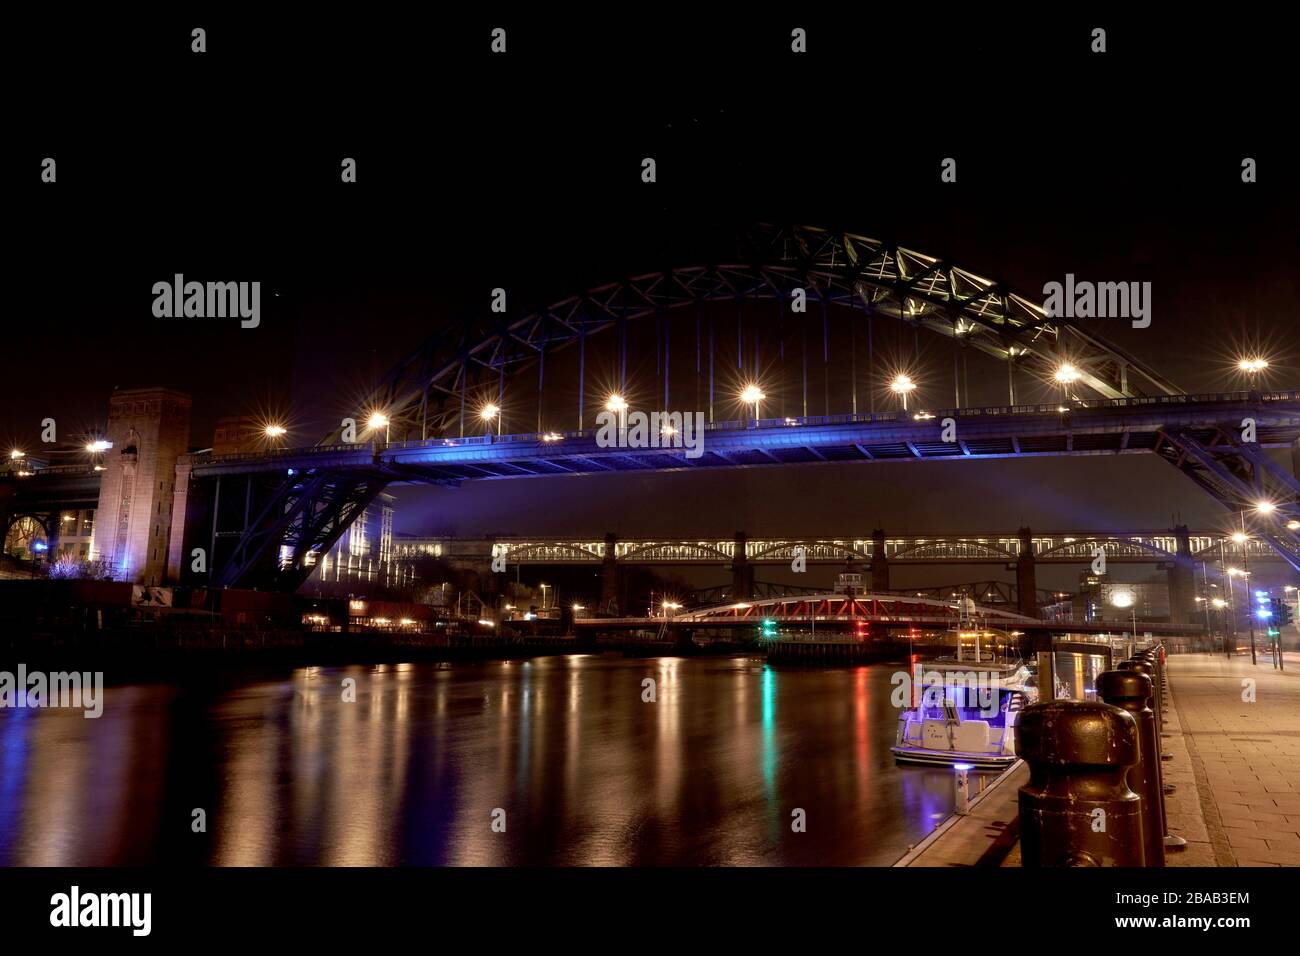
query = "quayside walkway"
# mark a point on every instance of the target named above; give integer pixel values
(1239, 725)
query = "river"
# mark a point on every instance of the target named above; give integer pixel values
(549, 761)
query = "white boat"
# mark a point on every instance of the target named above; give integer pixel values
(963, 713)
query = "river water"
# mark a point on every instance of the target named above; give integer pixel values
(431, 762)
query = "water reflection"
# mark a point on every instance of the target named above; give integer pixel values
(407, 764)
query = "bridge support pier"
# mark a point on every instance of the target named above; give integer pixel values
(879, 562)
(609, 589)
(1026, 578)
(1182, 580)
(53, 527)
(742, 573)
(1295, 462)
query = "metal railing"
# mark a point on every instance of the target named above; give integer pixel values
(891, 417)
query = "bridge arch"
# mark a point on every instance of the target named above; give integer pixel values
(944, 548)
(1114, 547)
(813, 551)
(549, 552)
(682, 551)
(436, 390)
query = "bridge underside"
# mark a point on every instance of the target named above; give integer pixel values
(328, 486)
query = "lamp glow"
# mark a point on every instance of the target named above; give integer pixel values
(1067, 373)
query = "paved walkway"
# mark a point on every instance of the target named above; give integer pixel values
(1236, 761)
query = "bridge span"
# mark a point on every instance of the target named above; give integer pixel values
(892, 612)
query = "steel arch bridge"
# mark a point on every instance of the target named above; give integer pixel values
(436, 390)
(427, 400)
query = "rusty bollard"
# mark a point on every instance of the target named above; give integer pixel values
(1144, 666)
(1130, 691)
(1141, 667)
(1077, 808)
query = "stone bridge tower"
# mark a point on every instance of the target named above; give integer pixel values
(149, 429)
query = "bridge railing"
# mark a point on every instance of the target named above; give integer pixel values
(890, 417)
(48, 470)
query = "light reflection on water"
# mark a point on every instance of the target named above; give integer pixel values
(587, 772)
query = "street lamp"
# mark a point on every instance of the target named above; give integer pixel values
(275, 431)
(752, 395)
(1252, 365)
(617, 404)
(901, 385)
(379, 420)
(1066, 374)
(99, 446)
(489, 413)
(1125, 599)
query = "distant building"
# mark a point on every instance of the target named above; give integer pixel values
(1104, 600)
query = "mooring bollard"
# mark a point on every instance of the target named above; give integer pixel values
(1146, 667)
(961, 785)
(1141, 667)
(1077, 808)
(1130, 690)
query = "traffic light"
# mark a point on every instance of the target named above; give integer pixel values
(1285, 614)
(1282, 613)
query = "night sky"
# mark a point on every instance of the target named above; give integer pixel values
(523, 171)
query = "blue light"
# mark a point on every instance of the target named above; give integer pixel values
(291, 471)
(963, 766)
(1263, 613)
(39, 546)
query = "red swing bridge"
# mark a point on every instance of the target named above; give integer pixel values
(878, 615)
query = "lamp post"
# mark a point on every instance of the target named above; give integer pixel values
(1126, 599)
(753, 395)
(489, 413)
(1065, 376)
(618, 404)
(901, 386)
(380, 420)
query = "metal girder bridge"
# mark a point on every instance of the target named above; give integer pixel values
(1061, 547)
(1193, 432)
(436, 389)
(428, 401)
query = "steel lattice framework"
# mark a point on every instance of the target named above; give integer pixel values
(1067, 547)
(425, 398)
(429, 392)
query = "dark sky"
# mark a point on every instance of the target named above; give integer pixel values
(522, 171)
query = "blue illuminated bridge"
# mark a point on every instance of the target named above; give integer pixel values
(800, 346)
(1196, 434)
